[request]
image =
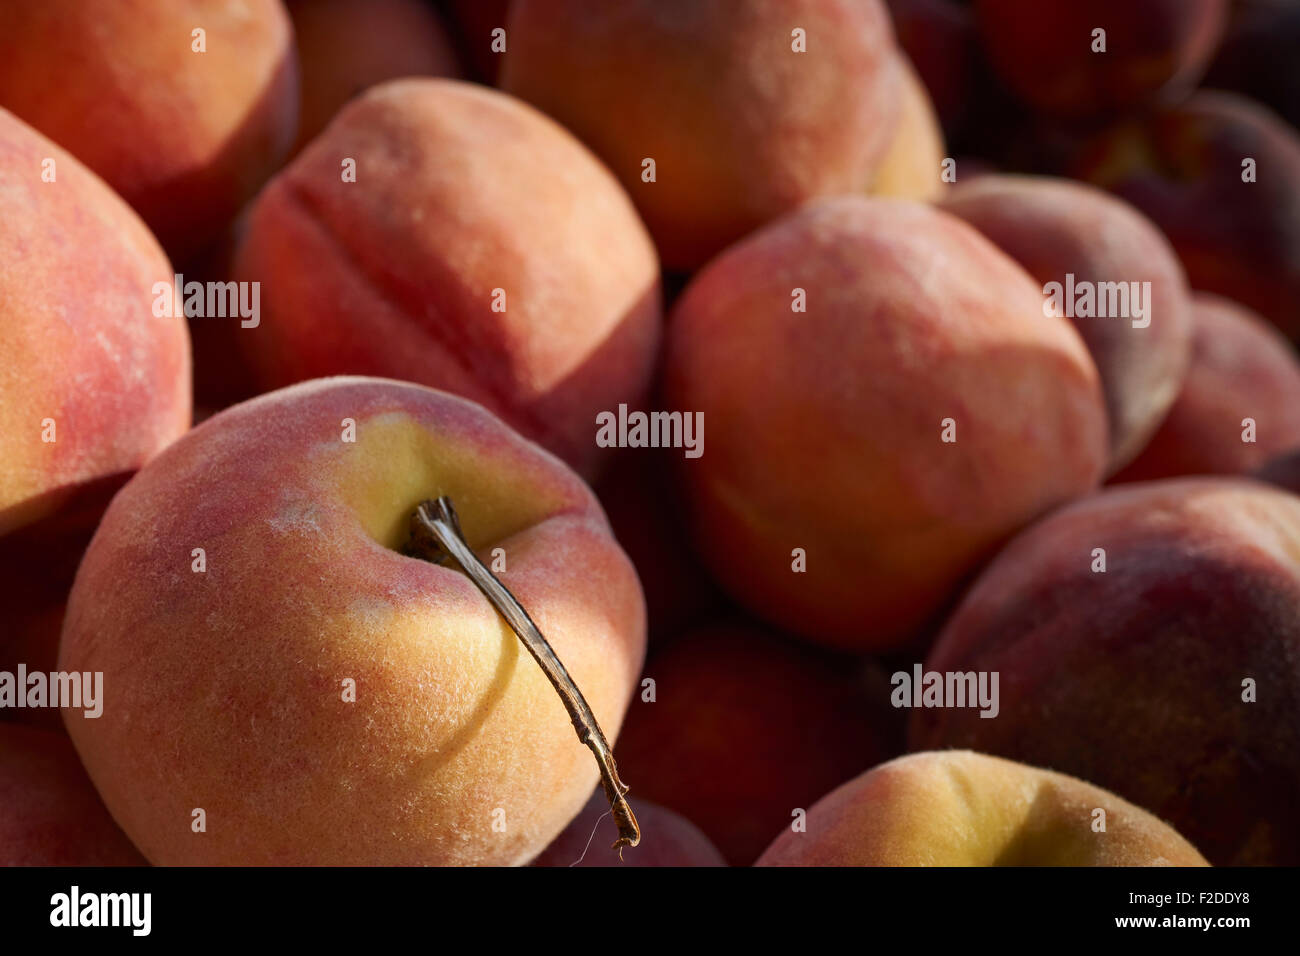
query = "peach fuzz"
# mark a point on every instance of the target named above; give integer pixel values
(347, 46)
(1154, 48)
(81, 342)
(224, 690)
(481, 250)
(741, 126)
(1184, 166)
(746, 727)
(1054, 227)
(957, 808)
(1183, 658)
(88, 365)
(50, 814)
(1241, 368)
(913, 162)
(185, 137)
(670, 839)
(830, 422)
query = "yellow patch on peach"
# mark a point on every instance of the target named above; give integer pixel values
(912, 164)
(396, 463)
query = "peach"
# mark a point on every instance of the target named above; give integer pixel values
(481, 250)
(82, 345)
(913, 163)
(1048, 55)
(347, 46)
(94, 383)
(746, 110)
(1058, 229)
(319, 696)
(958, 808)
(185, 135)
(868, 453)
(1220, 176)
(50, 814)
(1170, 679)
(670, 840)
(1243, 383)
(745, 728)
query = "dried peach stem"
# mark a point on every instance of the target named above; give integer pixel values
(436, 535)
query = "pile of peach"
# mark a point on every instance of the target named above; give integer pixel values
(984, 315)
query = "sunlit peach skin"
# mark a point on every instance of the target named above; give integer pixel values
(92, 385)
(1055, 228)
(957, 808)
(831, 421)
(481, 250)
(225, 689)
(185, 136)
(912, 164)
(741, 125)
